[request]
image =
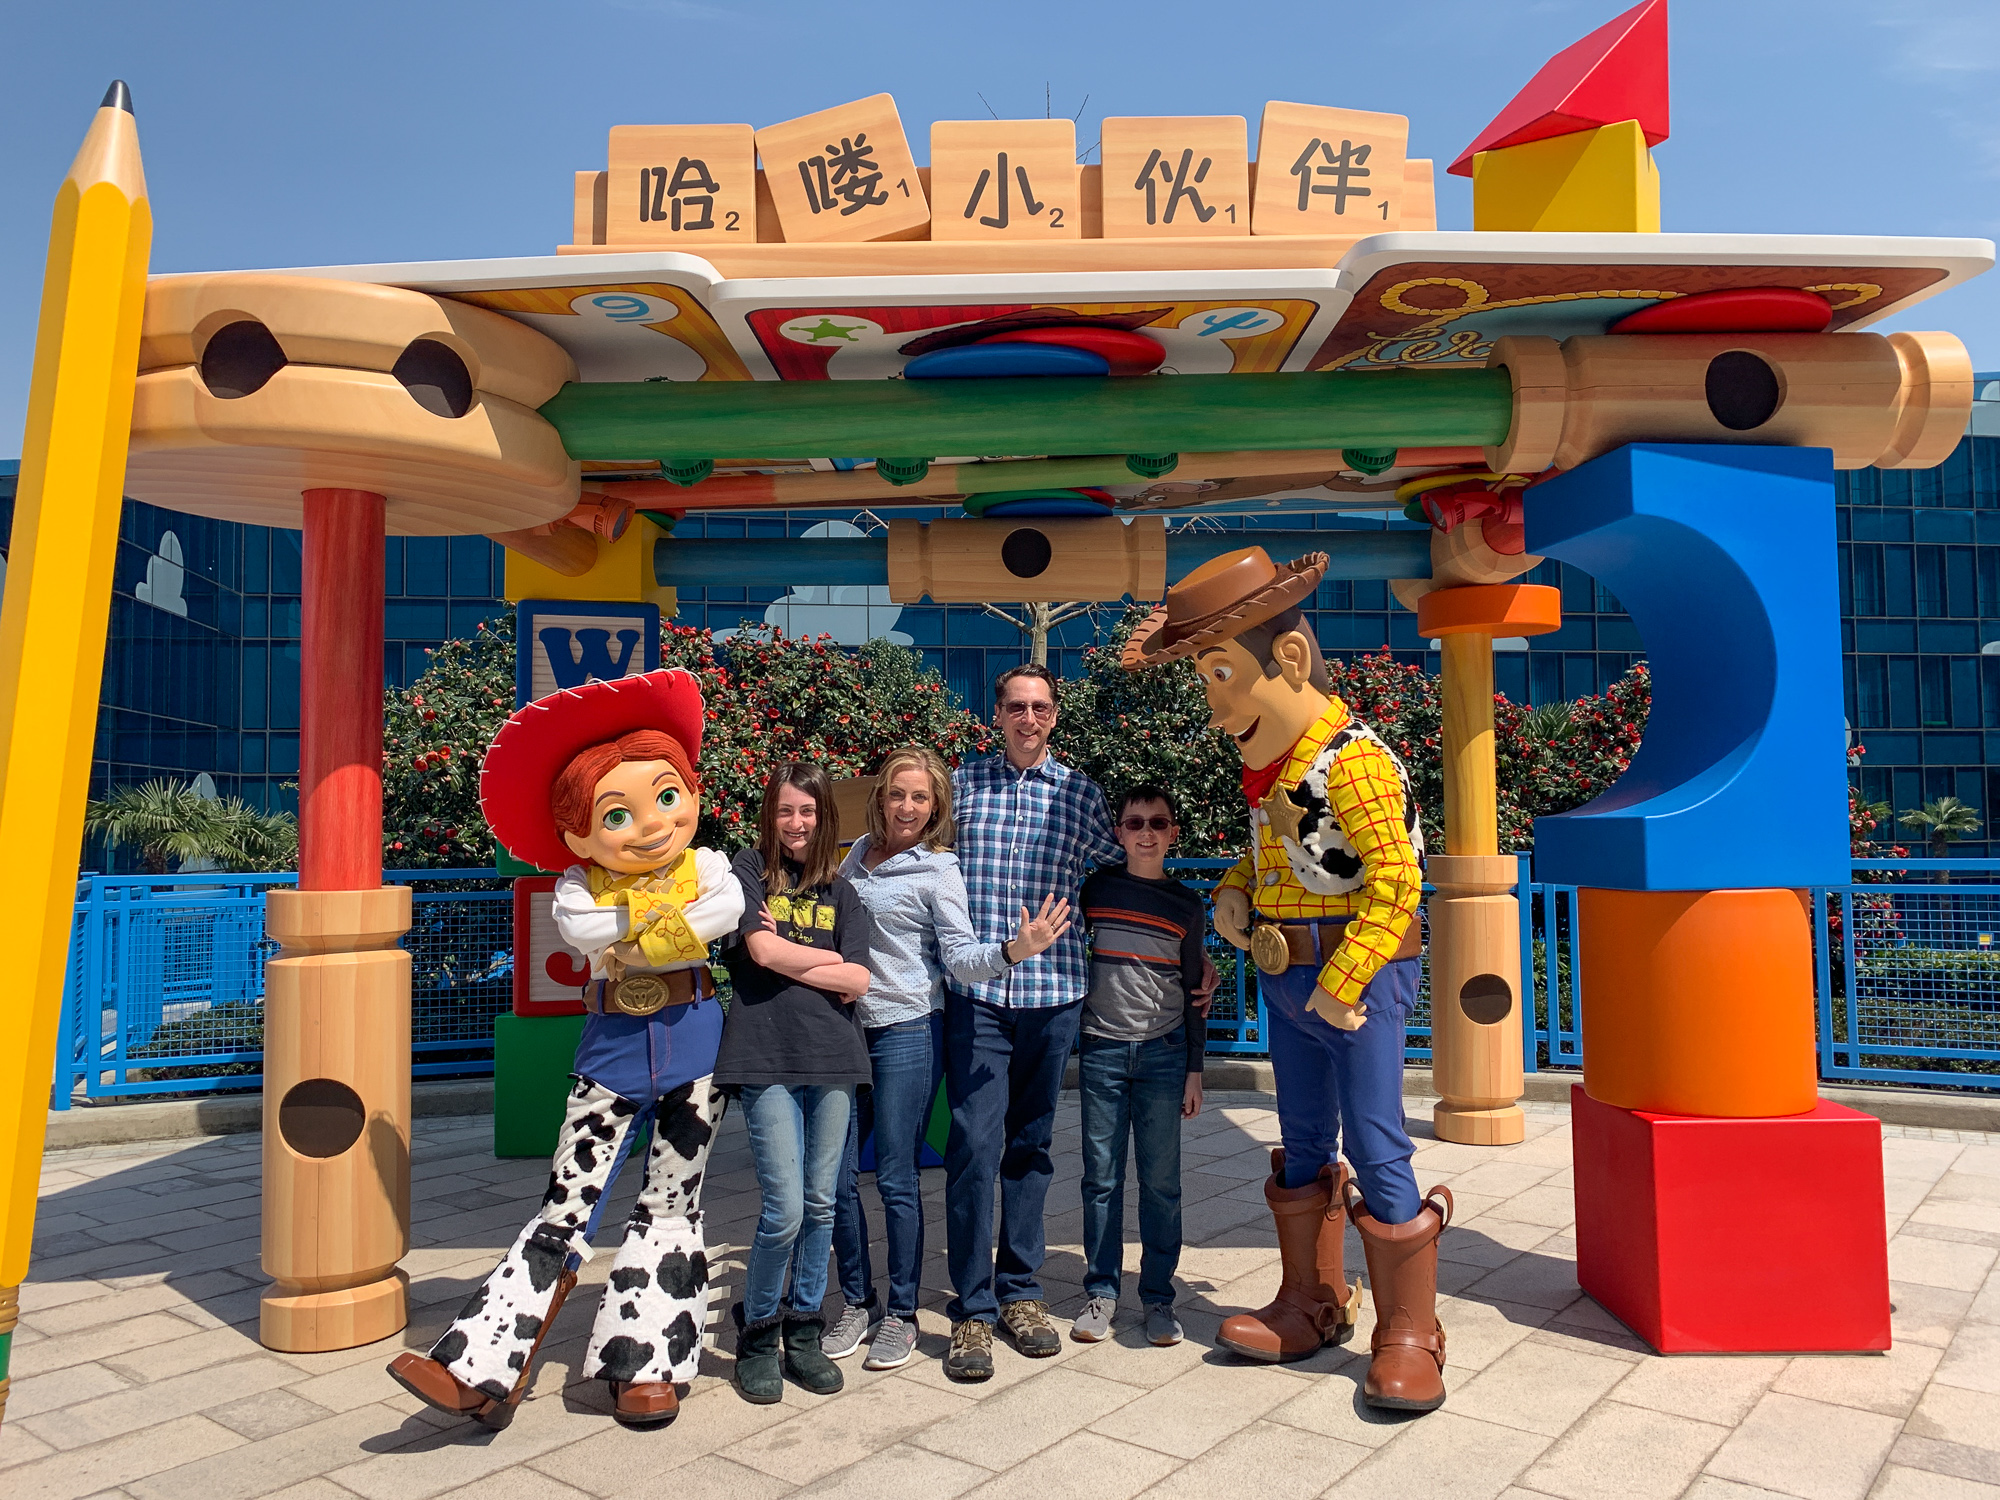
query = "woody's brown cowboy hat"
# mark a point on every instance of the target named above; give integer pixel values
(1219, 600)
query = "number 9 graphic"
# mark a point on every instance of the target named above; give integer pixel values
(624, 307)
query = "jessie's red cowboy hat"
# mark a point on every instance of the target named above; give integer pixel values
(1220, 599)
(534, 746)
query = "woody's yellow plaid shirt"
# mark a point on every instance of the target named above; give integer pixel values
(1365, 791)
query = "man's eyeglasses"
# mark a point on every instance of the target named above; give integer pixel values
(1020, 709)
(1139, 825)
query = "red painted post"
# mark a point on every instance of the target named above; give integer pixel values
(340, 692)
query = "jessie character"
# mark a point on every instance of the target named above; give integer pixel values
(602, 779)
(1326, 903)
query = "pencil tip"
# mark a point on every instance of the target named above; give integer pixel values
(118, 97)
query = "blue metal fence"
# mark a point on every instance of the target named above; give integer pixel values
(165, 987)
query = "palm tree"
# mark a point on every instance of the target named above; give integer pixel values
(1947, 820)
(172, 823)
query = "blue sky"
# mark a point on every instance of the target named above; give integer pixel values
(303, 133)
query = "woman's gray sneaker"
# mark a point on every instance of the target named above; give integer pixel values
(844, 1335)
(1093, 1324)
(894, 1342)
(1162, 1327)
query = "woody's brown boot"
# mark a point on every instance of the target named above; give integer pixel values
(1315, 1306)
(430, 1382)
(1407, 1370)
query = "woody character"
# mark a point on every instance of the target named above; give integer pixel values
(1326, 904)
(602, 779)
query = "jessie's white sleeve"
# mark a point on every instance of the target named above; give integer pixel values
(718, 908)
(581, 922)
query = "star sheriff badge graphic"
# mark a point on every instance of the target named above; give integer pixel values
(1282, 814)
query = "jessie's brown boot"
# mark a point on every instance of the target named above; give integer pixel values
(1407, 1370)
(430, 1382)
(1315, 1306)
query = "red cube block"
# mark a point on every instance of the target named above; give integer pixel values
(1734, 1236)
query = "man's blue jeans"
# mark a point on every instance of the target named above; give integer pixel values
(908, 1060)
(1132, 1089)
(1338, 1087)
(797, 1133)
(1002, 1072)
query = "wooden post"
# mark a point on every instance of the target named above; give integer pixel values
(1475, 921)
(337, 999)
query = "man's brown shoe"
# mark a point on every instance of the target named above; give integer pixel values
(644, 1403)
(1027, 1324)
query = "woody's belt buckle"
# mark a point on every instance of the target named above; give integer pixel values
(639, 994)
(1269, 949)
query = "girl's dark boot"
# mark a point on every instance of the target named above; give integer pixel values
(803, 1360)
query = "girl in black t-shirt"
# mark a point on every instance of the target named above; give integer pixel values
(792, 1052)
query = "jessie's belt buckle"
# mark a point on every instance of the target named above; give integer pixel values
(638, 994)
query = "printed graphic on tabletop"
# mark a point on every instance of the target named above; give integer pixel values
(645, 331)
(1421, 313)
(1248, 337)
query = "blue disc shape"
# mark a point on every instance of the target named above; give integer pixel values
(977, 361)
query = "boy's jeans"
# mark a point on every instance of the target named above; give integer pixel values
(1135, 1087)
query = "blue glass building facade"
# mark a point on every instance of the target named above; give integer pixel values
(202, 671)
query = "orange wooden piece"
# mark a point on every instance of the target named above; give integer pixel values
(1698, 1002)
(1499, 609)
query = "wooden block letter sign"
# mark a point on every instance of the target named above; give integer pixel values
(670, 184)
(844, 173)
(1005, 180)
(1176, 175)
(1329, 171)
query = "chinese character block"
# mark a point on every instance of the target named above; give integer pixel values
(1322, 170)
(844, 174)
(1169, 176)
(1005, 180)
(671, 184)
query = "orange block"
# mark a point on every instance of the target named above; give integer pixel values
(1698, 1002)
(1502, 609)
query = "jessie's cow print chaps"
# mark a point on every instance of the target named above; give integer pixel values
(655, 1307)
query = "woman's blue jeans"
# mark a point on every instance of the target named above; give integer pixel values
(797, 1134)
(1132, 1091)
(908, 1062)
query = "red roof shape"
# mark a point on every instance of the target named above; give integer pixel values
(1618, 72)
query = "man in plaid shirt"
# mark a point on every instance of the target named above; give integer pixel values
(1326, 904)
(1026, 823)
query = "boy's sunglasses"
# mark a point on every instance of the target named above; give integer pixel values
(1139, 825)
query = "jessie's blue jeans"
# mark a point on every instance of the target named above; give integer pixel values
(908, 1060)
(1132, 1089)
(797, 1133)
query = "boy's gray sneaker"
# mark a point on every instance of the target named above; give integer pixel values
(845, 1333)
(1162, 1327)
(894, 1342)
(1093, 1324)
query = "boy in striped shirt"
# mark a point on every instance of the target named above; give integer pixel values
(1144, 1033)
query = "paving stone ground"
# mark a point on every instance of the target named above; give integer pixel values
(138, 1372)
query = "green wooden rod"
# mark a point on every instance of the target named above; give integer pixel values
(1066, 414)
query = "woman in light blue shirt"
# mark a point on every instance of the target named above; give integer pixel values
(906, 875)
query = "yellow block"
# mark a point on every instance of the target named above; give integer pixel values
(1603, 179)
(623, 574)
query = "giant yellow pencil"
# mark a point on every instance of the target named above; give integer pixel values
(52, 626)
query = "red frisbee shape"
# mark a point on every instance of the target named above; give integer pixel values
(1127, 353)
(1759, 309)
(534, 746)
